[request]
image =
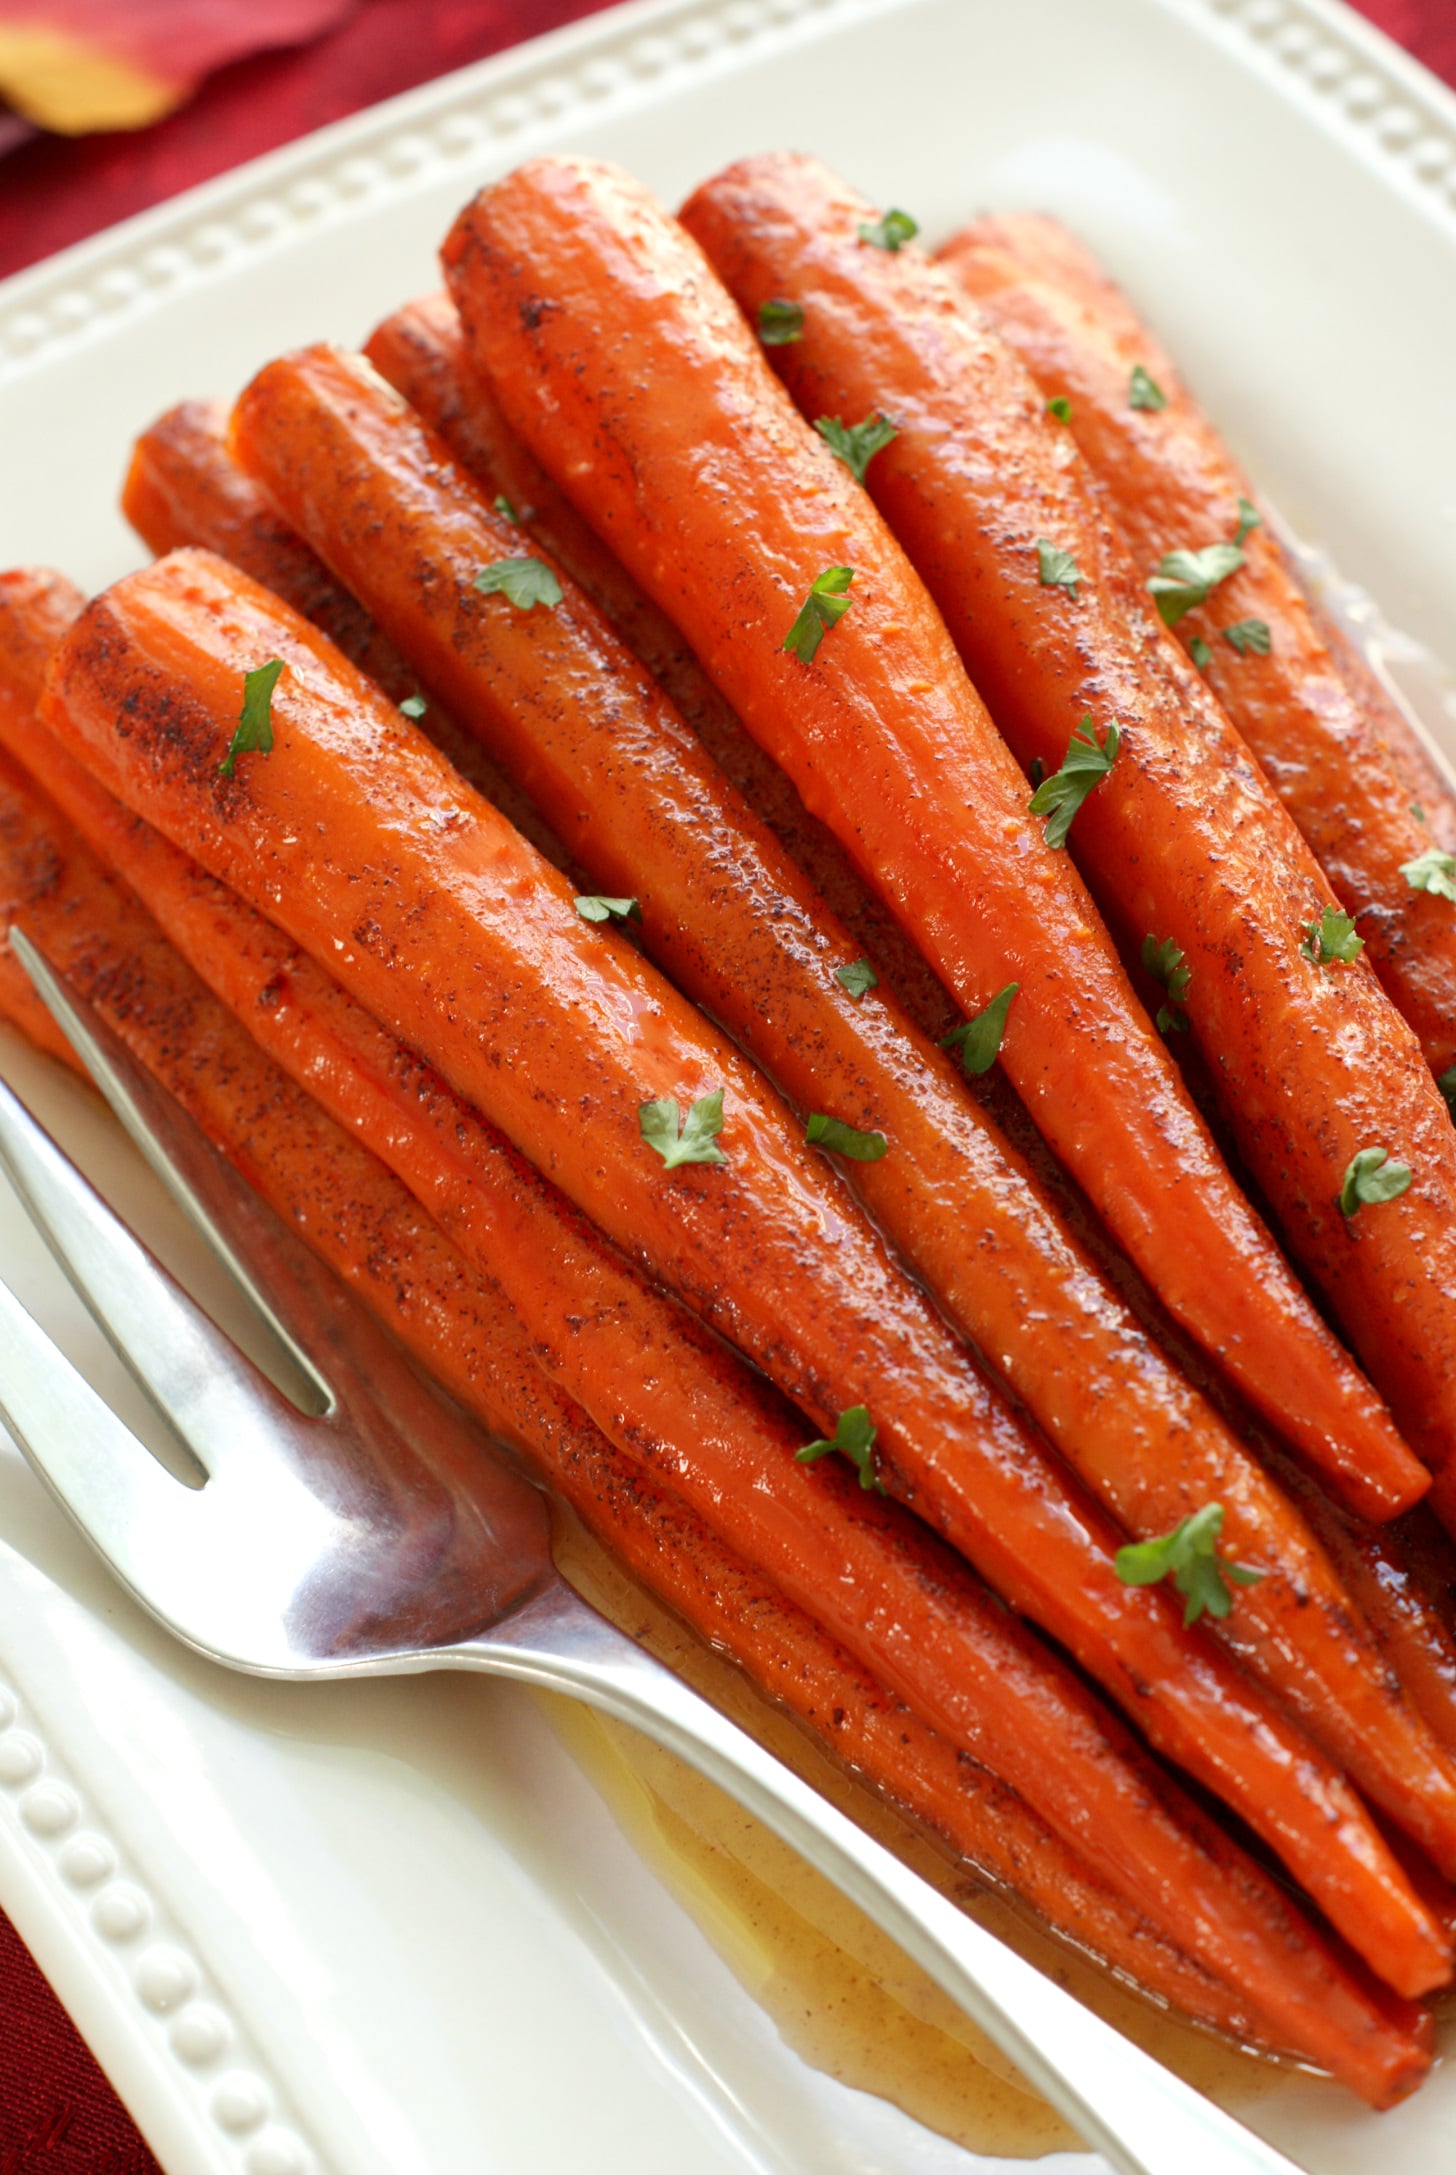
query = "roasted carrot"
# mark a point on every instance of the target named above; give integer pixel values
(1185, 845)
(362, 1221)
(567, 712)
(1172, 485)
(182, 487)
(728, 509)
(469, 945)
(1157, 1451)
(421, 351)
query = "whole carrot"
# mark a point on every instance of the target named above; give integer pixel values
(363, 1222)
(182, 487)
(421, 350)
(1172, 485)
(469, 945)
(1184, 844)
(695, 466)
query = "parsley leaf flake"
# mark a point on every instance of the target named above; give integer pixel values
(780, 323)
(1371, 1177)
(1249, 634)
(841, 1139)
(523, 582)
(1189, 1555)
(1087, 760)
(1432, 871)
(1330, 938)
(413, 706)
(696, 1141)
(1060, 407)
(1188, 578)
(1446, 1082)
(596, 906)
(1200, 652)
(826, 604)
(253, 733)
(1248, 519)
(857, 977)
(892, 232)
(1057, 569)
(853, 1438)
(1144, 391)
(1168, 965)
(858, 445)
(977, 1041)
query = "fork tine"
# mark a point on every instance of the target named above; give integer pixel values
(110, 1483)
(222, 1407)
(221, 1205)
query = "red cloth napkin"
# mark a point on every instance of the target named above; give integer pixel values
(58, 2116)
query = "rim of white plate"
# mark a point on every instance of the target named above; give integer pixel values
(1400, 119)
(1392, 111)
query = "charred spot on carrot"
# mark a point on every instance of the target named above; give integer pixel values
(1189, 1555)
(853, 1438)
(253, 733)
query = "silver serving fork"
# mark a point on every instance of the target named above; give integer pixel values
(380, 1532)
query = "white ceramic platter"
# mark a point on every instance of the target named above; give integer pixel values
(387, 1929)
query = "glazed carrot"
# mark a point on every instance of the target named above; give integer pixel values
(1150, 1446)
(421, 351)
(183, 487)
(27, 637)
(728, 508)
(469, 945)
(1185, 844)
(359, 1218)
(1172, 485)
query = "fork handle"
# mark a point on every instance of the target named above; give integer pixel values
(1138, 2115)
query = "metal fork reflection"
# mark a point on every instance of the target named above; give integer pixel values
(379, 1531)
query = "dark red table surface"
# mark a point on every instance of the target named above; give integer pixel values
(58, 2116)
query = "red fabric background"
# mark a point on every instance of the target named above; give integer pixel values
(57, 2114)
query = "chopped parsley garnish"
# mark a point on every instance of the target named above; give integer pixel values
(1330, 938)
(1417, 811)
(853, 1438)
(1168, 965)
(1249, 634)
(1188, 578)
(523, 582)
(1057, 569)
(1144, 391)
(841, 1139)
(413, 706)
(858, 445)
(857, 977)
(1433, 871)
(977, 1042)
(779, 323)
(253, 733)
(1087, 760)
(1200, 652)
(892, 232)
(826, 604)
(697, 1139)
(1248, 519)
(505, 509)
(1371, 1177)
(1446, 1082)
(1188, 1555)
(1060, 407)
(596, 906)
